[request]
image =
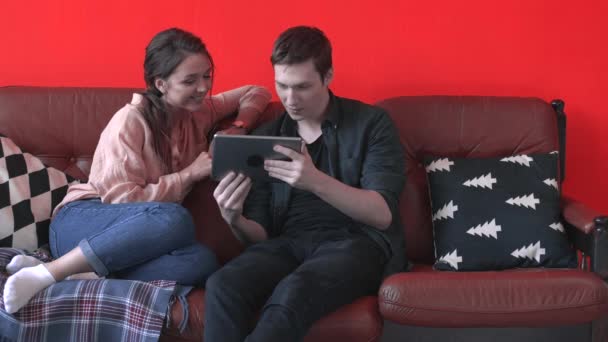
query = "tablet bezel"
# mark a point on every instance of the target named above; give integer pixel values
(232, 152)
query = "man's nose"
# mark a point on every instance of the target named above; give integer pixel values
(290, 97)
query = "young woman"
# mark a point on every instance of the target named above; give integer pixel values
(127, 219)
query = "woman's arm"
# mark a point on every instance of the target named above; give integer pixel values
(124, 162)
(247, 101)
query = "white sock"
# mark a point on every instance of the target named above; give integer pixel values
(25, 284)
(21, 261)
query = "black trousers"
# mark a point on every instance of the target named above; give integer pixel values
(294, 280)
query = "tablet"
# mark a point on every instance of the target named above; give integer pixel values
(246, 154)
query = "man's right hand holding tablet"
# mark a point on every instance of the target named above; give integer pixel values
(230, 195)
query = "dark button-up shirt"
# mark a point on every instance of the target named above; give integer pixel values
(364, 152)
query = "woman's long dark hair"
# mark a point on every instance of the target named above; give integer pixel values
(163, 54)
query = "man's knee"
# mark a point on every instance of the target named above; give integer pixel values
(222, 282)
(296, 291)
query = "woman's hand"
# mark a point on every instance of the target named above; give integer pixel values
(201, 166)
(234, 131)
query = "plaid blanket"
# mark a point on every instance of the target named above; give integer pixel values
(87, 310)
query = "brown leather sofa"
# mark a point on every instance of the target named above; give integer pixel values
(62, 125)
(513, 305)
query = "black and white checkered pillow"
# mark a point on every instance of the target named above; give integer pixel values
(497, 213)
(29, 191)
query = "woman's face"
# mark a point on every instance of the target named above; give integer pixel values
(186, 88)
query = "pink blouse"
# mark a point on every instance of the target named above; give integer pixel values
(125, 167)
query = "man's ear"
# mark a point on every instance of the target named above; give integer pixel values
(329, 76)
(160, 85)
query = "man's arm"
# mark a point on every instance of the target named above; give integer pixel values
(366, 206)
(382, 177)
(247, 231)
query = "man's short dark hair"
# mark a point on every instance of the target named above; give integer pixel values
(301, 43)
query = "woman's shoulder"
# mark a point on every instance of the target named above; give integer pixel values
(133, 109)
(129, 116)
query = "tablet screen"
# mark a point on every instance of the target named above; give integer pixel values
(246, 154)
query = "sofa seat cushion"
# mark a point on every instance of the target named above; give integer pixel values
(510, 298)
(358, 321)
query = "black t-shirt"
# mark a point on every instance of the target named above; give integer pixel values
(307, 212)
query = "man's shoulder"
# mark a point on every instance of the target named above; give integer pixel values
(359, 113)
(357, 107)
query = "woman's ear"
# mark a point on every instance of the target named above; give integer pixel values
(329, 76)
(160, 84)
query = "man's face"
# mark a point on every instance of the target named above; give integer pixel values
(301, 89)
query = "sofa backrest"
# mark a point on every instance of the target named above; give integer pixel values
(460, 127)
(62, 127)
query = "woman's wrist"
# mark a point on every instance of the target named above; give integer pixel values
(241, 126)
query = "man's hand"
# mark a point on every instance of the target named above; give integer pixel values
(300, 172)
(230, 195)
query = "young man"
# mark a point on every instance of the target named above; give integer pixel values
(328, 232)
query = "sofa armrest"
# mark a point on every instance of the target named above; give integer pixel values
(588, 230)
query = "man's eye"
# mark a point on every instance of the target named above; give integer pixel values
(189, 82)
(207, 77)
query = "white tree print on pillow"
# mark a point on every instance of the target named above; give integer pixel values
(532, 252)
(486, 229)
(557, 226)
(520, 159)
(551, 182)
(485, 181)
(528, 201)
(452, 258)
(442, 164)
(446, 211)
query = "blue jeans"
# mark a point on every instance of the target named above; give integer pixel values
(295, 280)
(139, 241)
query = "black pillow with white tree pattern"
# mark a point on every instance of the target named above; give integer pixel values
(497, 213)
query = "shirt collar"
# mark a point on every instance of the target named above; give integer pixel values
(289, 126)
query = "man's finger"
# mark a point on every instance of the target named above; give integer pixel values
(287, 152)
(240, 193)
(304, 149)
(224, 183)
(277, 163)
(279, 171)
(234, 184)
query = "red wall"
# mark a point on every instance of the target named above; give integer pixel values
(544, 48)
